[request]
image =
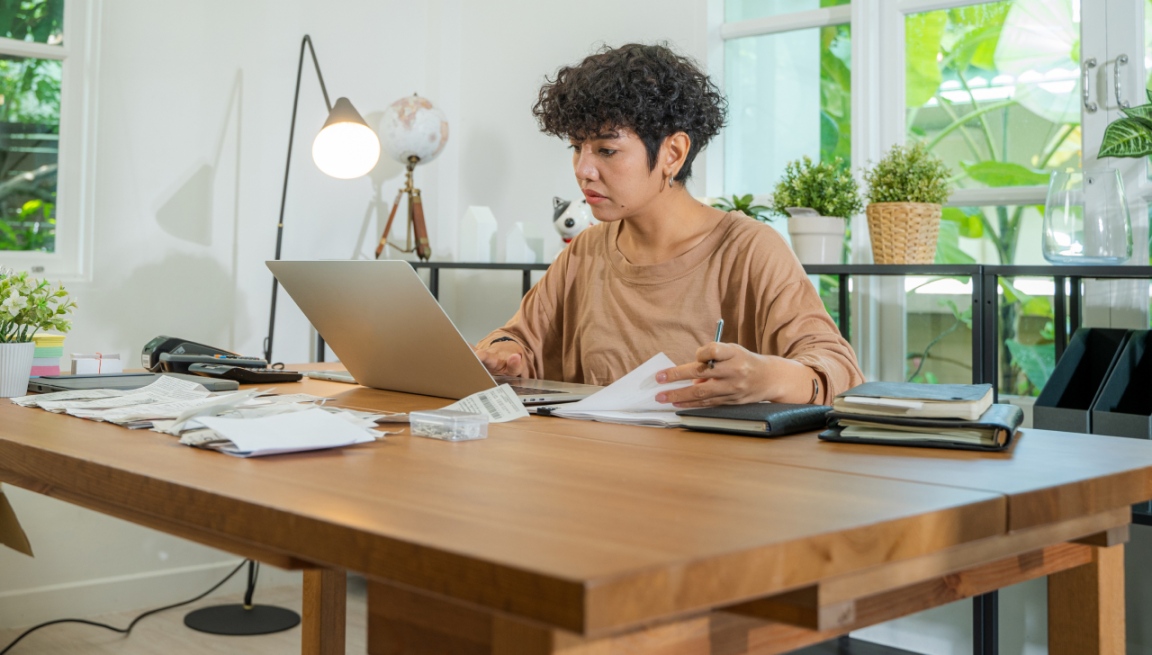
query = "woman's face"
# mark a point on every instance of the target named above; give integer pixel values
(612, 170)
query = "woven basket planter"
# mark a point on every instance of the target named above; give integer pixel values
(903, 232)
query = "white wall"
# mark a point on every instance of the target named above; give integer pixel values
(194, 108)
(507, 48)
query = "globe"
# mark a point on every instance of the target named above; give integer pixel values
(413, 127)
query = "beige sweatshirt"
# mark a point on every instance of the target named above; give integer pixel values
(594, 316)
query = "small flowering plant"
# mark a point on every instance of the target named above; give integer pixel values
(826, 187)
(28, 305)
(908, 174)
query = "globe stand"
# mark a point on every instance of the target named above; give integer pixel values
(242, 619)
(416, 224)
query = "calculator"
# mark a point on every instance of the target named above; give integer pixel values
(243, 374)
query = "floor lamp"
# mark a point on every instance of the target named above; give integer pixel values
(345, 148)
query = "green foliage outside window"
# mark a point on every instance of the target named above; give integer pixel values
(995, 137)
(992, 135)
(29, 127)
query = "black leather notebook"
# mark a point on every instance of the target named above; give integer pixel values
(992, 431)
(757, 419)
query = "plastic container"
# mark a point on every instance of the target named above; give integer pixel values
(449, 425)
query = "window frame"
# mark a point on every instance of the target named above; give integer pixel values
(878, 122)
(76, 161)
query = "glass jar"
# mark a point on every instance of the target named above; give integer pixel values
(1086, 218)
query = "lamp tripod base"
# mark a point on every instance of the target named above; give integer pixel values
(416, 226)
(238, 620)
(245, 618)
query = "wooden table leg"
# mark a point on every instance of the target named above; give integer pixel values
(1086, 606)
(325, 596)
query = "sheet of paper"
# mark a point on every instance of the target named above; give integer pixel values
(165, 389)
(213, 406)
(966, 436)
(313, 429)
(500, 404)
(121, 415)
(631, 399)
(655, 419)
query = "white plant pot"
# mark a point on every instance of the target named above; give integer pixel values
(15, 368)
(817, 239)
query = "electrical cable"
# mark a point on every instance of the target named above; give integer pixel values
(131, 625)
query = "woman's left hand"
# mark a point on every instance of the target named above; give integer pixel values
(736, 376)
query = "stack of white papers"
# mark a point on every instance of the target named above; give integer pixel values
(312, 429)
(92, 403)
(631, 399)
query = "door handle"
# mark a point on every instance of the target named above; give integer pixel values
(1088, 65)
(1120, 61)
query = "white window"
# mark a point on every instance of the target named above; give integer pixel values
(993, 87)
(47, 108)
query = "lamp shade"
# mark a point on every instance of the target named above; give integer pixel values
(345, 147)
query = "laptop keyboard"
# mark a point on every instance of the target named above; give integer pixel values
(532, 391)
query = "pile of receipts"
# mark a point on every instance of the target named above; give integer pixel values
(246, 423)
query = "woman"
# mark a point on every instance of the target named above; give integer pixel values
(661, 268)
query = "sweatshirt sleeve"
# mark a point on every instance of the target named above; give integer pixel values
(797, 326)
(535, 322)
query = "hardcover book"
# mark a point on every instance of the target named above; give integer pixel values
(910, 399)
(991, 431)
(758, 419)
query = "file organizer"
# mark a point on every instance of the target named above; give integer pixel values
(1124, 405)
(1067, 399)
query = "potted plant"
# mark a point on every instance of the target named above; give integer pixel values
(27, 305)
(746, 205)
(906, 191)
(818, 198)
(1130, 136)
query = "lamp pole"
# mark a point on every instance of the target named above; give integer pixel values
(306, 42)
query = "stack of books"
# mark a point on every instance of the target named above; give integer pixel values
(46, 356)
(932, 415)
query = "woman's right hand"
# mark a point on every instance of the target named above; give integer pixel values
(502, 358)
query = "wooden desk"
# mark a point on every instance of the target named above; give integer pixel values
(563, 536)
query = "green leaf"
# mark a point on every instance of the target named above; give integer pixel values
(976, 49)
(1037, 306)
(948, 245)
(922, 36)
(1141, 113)
(1011, 293)
(969, 223)
(829, 137)
(1004, 174)
(1126, 137)
(1148, 92)
(1036, 361)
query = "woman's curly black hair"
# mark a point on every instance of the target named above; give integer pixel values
(648, 89)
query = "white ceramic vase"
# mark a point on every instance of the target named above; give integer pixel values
(15, 368)
(817, 239)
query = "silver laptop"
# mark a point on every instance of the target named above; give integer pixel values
(390, 333)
